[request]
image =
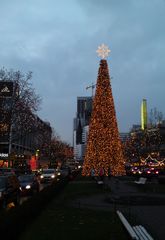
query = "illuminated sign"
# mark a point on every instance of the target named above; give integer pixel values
(6, 89)
(4, 154)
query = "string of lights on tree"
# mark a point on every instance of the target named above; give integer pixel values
(104, 149)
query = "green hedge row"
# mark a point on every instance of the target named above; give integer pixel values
(14, 221)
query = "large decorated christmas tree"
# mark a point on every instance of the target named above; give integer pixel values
(104, 149)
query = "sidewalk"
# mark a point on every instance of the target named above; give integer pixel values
(152, 216)
(128, 191)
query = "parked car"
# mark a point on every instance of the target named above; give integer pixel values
(8, 171)
(48, 175)
(9, 190)
(28, 184)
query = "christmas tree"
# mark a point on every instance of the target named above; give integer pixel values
(104, 149)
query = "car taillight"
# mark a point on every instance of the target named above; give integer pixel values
(148, 172)
(156, 172)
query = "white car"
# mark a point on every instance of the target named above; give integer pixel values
(48, 175)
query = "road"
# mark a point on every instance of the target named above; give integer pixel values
(42, 186)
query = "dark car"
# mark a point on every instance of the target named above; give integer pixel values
(29, 184)
(8, 171)
(9, 190)
(63, 172)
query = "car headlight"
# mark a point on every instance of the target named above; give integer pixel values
(53, 176)
(58, 173)
(41, 176)
(28, 187)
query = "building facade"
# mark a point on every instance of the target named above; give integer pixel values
(81, 125)
(20, 141)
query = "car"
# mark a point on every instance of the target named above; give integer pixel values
(155, 171)
(29, 184)
(8, 171)
(58, 173)
(48, 175)
(150, 172)
(63, 172)
(9, 190)
(135, 171)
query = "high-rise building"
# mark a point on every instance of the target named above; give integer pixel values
(144, 114)
(124, 136)
(84, 110)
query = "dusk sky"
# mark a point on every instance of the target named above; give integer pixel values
(57, 41)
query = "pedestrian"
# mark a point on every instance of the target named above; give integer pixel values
(101, 174)
(93, 173)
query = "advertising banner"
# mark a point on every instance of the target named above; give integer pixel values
(6, 89)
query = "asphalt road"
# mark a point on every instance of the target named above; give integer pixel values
(42, 186)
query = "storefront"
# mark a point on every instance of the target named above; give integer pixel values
(4, 159)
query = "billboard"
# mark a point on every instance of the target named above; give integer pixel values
(6, 89)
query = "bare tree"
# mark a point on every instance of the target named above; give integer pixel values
(19, 113)
(155, 117)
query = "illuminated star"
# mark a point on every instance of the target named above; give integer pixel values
(103, 51)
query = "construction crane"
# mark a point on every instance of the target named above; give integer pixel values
(91, 86)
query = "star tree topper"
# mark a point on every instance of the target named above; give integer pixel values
(103, 51)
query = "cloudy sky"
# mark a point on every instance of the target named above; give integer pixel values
(57, 41)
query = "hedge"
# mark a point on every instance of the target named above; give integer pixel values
(15, 220)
